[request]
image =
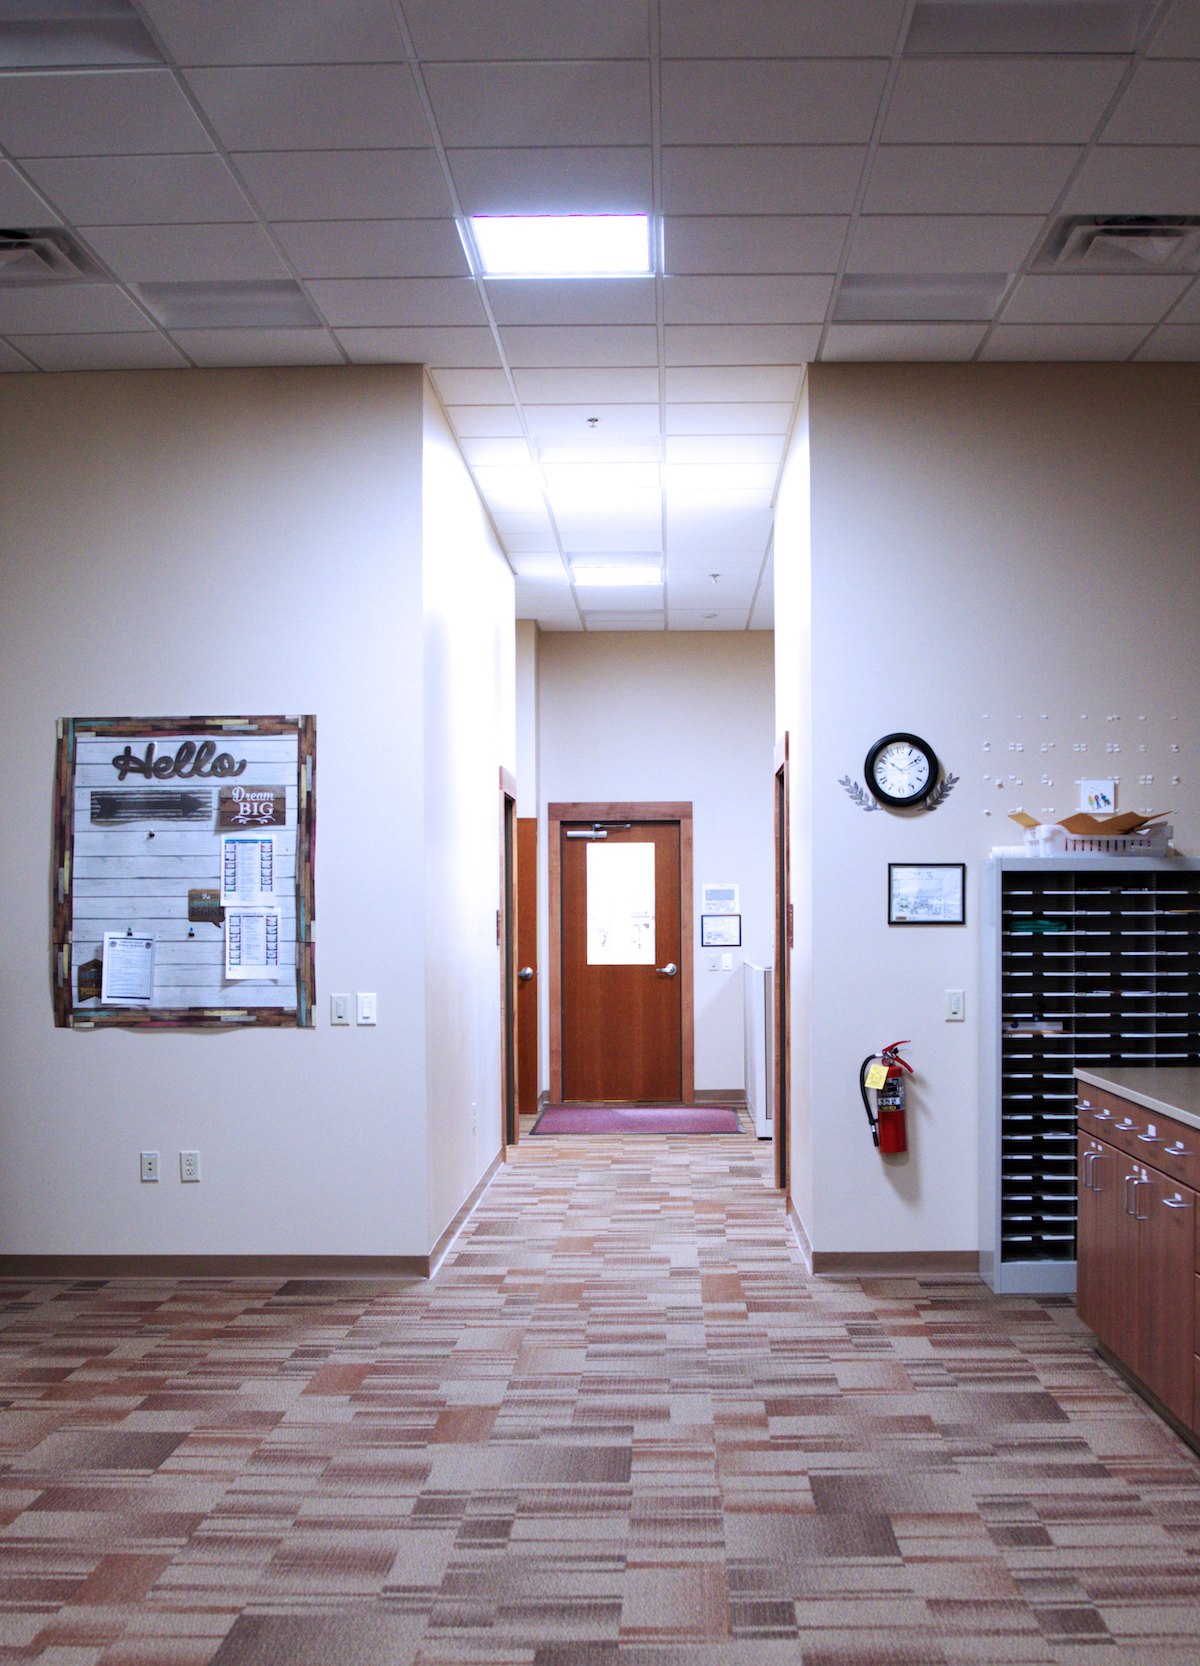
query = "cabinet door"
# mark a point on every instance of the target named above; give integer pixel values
(1089, 1301)
(1166, 1217)
(1112, 1289)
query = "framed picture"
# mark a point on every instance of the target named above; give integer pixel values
(720, 931)
(928, 894)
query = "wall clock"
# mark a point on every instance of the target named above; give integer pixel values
(901, 771)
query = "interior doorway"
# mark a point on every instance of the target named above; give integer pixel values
(621, 986)
(506, 941)
(527, 967)
(784, 932)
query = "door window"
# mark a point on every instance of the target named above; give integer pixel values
(620, 905)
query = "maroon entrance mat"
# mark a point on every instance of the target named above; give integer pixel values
(637, 1119)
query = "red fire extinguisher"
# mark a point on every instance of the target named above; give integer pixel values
(887, 1119)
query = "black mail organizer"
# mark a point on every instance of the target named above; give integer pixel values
(1098, 964)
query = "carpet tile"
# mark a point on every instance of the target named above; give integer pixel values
(621, 1427)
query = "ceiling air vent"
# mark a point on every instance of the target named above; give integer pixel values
(967, 28)
(235, 305)
(73, 34)
(959, 298)
(48, 255)
(1122, 243)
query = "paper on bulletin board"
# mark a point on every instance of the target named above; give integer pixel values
(252, 943)
(247, 868)
(127, 978)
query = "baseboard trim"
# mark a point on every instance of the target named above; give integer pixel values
(894, 1263)
(440, 1250)
(213, 1266)
(801, 1237)
(719, 1096)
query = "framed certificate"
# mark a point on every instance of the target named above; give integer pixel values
(720, 931)
(932, 894)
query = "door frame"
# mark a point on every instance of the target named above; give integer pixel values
(527, 1004)
(681, 812)
(784, 938)
(506, 942)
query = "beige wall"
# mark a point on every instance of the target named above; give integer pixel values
(686, 715)
(1016, 541)
(233, 542)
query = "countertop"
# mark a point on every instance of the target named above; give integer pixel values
(1171, 1090)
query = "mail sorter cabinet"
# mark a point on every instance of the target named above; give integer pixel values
(1139, 1180)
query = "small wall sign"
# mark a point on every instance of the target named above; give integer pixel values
(720, 931)
(929, 894)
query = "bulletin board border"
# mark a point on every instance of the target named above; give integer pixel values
(66, 1016)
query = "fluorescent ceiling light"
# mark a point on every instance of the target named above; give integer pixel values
(971, 27)
(626, 575)
(563, 245)
(957, 298)
(246, 304)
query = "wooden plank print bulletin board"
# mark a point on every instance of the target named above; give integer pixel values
(144, 810)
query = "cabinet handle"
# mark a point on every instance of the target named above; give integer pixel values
(1148, 1139)
(1175, 1203)
(1103, 1116)
(1177, 1150)
(1128, 1210)
(1136, 1216)
(1085, 1104)
(1089, 1158)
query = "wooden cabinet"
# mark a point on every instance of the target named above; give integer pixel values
(1137, 1249)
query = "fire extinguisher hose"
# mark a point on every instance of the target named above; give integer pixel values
(862, 1088)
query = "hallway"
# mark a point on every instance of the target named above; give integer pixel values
(619, 1428)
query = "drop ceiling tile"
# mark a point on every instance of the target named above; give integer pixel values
(757, 384)
(765, 102)
(902, 341)
(20, 204)
(1173, 341)
(525, 29)
(732, 530)
(485, 422)
(746, 300)
(595, 180)
(350, 303)
(745, 568)
(495, 451)
(605, 621)
(264, 32)
(12, 361)
(543, 571)
(697, 590)
(749, 344)
(763, 617)
(1112, 299)
(691, 494)
(754, 243)
(761, 179)
(583, 345)
(179, 254)
(572, 300)
(553, 623)
(213, 348)
(1179, 36)
(68, 309)
(562, 387)
(707, 420)
(1033, 101)
(374, 248)
(509, 490)
(706, 619)
(349, 184)
(555, 600)
(1161, 106)
(313, 107)
(924, 243)
(465, 347)
(779, 29)
(99, 114)
(1063, 341)
(1188, 310)
(572, 422)
(141, 190)
(473, 387)
(724, 448)
(968, 179)
(128, 351)
(607, 599)
(635, 531)
(525, 532)
(541, 104)
(1137, 179)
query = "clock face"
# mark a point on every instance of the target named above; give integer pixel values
(901, 770)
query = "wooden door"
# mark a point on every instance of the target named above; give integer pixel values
(506, 941)
(1166, 1221)
(622, 1036)
(527, 966)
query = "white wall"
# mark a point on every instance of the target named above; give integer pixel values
(527, 717)
(230, 542)
(685, 715)
(1016, 541)
(469, 733)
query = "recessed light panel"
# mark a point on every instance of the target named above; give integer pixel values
(73, 34)
(563, 246)
(952, 28)
(239, 305)
(959, 298)
(626, 575)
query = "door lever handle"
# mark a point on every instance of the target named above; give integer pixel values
(525, 973)
(670, 968)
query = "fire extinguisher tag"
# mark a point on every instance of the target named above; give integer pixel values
(876, 1075)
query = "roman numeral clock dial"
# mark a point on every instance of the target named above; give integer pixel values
(901, 771)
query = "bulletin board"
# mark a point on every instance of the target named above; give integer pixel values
(182, 880)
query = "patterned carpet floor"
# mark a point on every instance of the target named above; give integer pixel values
(619, 1428)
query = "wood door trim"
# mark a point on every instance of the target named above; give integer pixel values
(506, 926)
(624, 810)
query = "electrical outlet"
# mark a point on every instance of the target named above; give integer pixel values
(149, 1165)
(189, 1165)
(339, 1009)
(956, 1006)
(366, 1009)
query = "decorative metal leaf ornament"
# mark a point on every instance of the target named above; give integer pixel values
(941, 793)
(860, 797)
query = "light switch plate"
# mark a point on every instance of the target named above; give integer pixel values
(150, 1165)
(713, 962)
(727, 963)
(956, 1006)
(339, 1009)
(366, 1009)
